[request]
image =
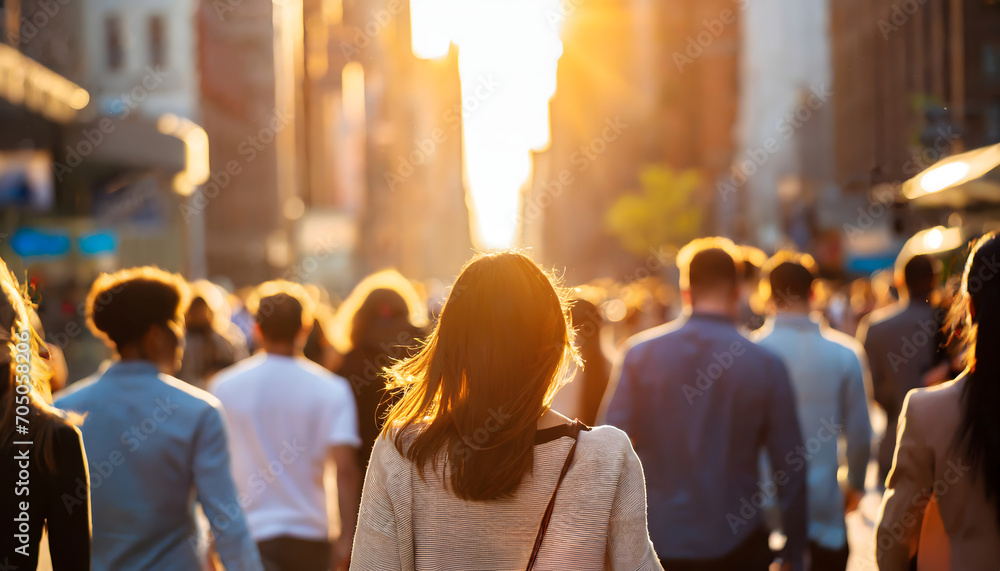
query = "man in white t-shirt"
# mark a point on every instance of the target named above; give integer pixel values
(287, 416)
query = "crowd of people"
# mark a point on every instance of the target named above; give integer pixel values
(722, 422)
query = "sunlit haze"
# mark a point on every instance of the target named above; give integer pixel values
(508, 51)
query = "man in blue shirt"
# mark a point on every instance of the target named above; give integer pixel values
(700, 401)
(154, 444)
(829, 373)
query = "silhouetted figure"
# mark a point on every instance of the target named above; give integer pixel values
(942, 498)
(581, 398)
(43, 461)
(471, 457)
(155, 444)
(206, 351)
(376, 332)
(902, 342)
(700, 402)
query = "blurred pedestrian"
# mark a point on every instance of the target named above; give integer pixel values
(943, 494)
(902, 343)
(472, 458)
(155, 444)
(829, 374)
(207, 348)
(42, 450)
(581, 397)
(288, 416)
(700, 401)
(377, 325)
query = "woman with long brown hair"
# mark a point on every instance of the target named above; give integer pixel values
(45, 481)
(473, 470)
(942, 498)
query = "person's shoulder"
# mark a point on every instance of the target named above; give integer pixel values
(655, 336)
(885, 316)
(608, 440)
(187, 395)
(843, 344)
(75, 394)
(325, 380)
(236, 371)
(936, 399)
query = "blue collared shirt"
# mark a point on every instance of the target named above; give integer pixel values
(700, 401)
(829, 372)
(155, 445)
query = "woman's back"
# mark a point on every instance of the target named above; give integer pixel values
(927, 461)
(599, 520)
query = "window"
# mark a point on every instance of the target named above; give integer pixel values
(114, 48)
(157, 41)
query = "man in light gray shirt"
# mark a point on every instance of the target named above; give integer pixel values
(829, 374)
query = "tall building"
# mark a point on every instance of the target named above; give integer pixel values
(250, 63)
(913, 82)
(384, 146)
(639, 83)
(97, 148)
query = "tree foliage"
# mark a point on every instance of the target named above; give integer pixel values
(664, 211)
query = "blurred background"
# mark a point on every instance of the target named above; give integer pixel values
(323, 140)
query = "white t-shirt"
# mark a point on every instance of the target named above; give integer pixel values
(283, 415)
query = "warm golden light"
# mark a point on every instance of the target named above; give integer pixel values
(943, 176)
(507, 57)
(196, 170)
(430, 31)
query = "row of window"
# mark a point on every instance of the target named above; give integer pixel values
(114, 39)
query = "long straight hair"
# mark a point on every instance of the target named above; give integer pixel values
(22, 351)
(474, 392)
(975, 317)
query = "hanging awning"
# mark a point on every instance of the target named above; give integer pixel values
(958, 181)
(27, 83)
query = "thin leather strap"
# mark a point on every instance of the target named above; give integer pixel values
(577, 427)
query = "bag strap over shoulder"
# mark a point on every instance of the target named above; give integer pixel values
(577, 426)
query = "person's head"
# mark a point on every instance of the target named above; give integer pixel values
(199, 315)
(485, 375)
(918, 277)
(137, 312)
(787, 280)
(381, 305)
(284, 314)
(975, 318)
(710, 273)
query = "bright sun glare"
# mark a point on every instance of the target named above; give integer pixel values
(508, 51)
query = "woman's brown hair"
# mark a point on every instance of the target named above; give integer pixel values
(474, 392)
